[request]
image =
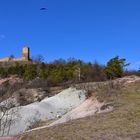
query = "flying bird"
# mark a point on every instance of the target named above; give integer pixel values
(42, 9)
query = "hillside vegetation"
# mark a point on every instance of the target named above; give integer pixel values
(123, 123)
(66, 71)
(98, 103)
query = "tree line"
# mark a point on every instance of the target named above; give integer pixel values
(71, 70)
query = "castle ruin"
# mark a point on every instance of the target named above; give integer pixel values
(25, 56)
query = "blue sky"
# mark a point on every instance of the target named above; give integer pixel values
(86, 29)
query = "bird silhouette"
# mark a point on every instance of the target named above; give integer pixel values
(43, 8)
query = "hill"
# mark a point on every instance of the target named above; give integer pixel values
(111, 112)
(123, 123)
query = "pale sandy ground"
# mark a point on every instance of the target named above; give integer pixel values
(10, 138)
(49, 108)
(87, 108)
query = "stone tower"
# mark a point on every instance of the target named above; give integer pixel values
(25, 54)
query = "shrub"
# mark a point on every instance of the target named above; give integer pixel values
(115, 67)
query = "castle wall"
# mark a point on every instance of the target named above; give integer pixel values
(25, 56)
(6, 59)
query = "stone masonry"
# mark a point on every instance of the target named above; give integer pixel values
(25, 56)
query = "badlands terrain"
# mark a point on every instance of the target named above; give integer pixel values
(87, 111)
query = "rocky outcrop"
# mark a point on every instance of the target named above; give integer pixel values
(48, 108)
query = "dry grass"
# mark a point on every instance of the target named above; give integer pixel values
(121, 124)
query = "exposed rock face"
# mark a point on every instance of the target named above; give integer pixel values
(23, 97)
(26, 96)
(15, 91)
(48, 108)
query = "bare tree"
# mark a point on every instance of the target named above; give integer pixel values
(37, 58)
(7, 118)
(8, 112)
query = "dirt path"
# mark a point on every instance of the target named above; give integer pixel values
(10, 138)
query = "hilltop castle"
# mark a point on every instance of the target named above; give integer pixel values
(25, 56)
